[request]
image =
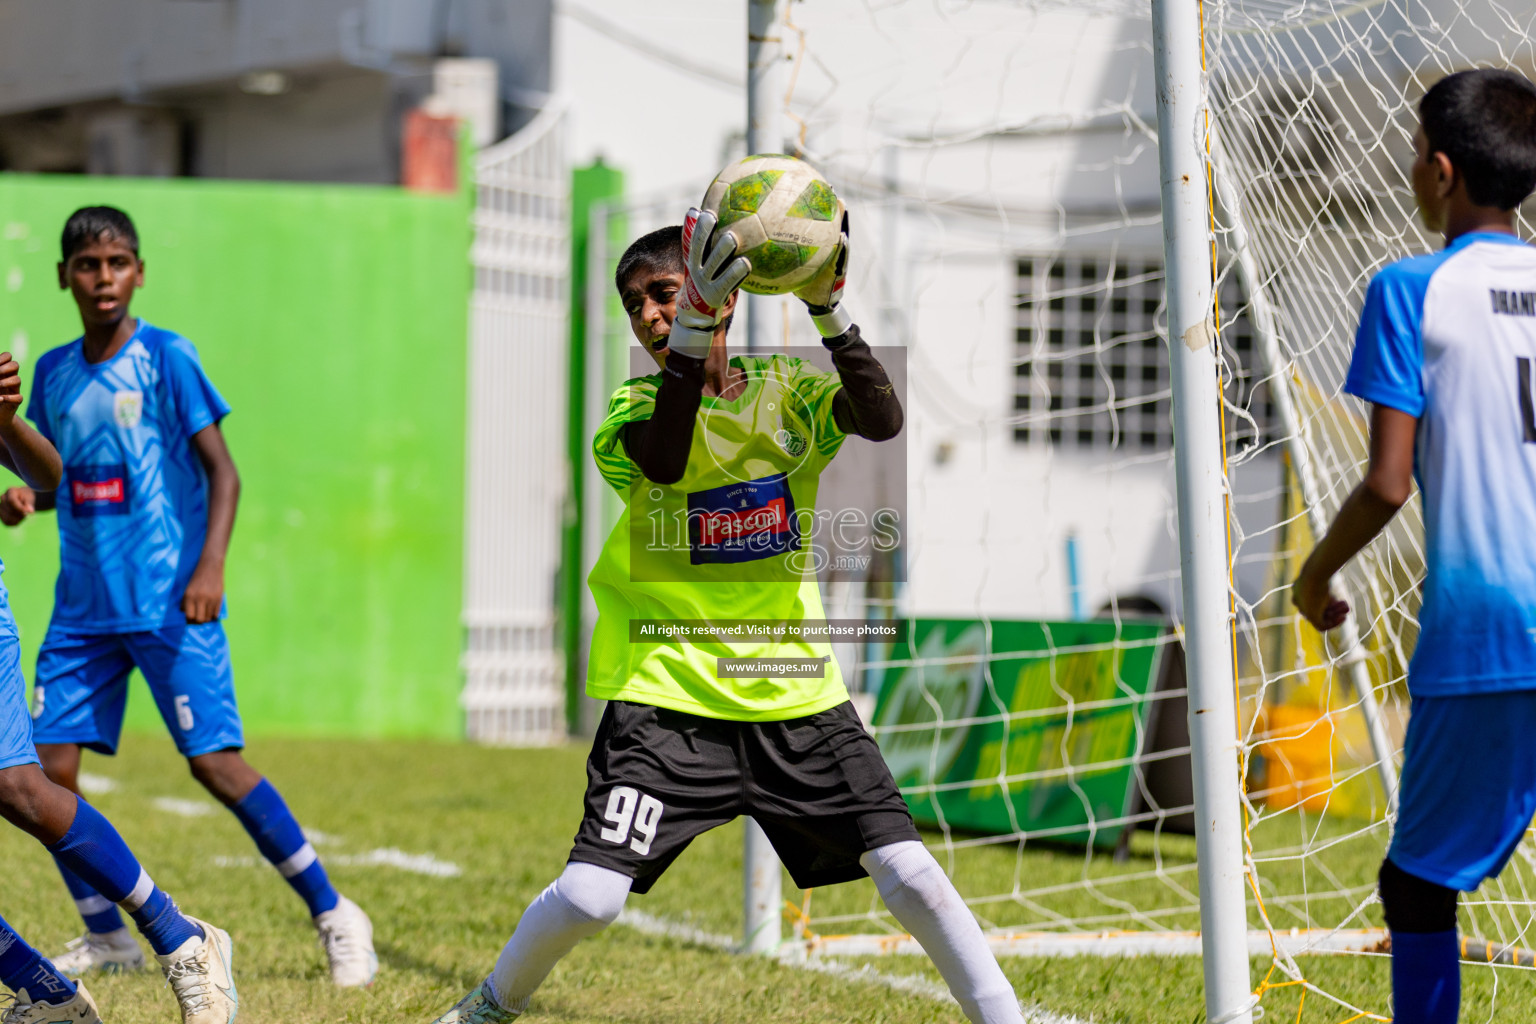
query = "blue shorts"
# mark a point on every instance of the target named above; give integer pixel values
(1468, 789)
(82, 687)
(15, 722)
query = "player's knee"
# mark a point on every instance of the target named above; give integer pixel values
(1414, 905)
(595, 893)
(22, 794)
(223, 773)
(61, 763)
(206, 770)
(908, 868)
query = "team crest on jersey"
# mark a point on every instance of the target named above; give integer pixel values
(742, 522)
(128, 408)
(792, 441)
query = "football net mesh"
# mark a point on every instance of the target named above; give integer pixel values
(1000, 163)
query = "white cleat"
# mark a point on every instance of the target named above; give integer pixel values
(346, 934)
(200, 975)
(101, 951)
(81, 1009)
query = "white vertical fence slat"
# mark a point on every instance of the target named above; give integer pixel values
(514, 686)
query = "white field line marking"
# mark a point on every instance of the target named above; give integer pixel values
(649, 924)
(792, 955)
(318, 838)
(419, 863)
(185, 808)
(95, 784)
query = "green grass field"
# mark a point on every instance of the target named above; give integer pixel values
(506, 819)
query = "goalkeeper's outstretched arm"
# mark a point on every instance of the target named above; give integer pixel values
(867, 404)
(660, 445)
(693, 305)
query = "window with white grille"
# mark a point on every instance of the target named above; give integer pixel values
(1091, 363)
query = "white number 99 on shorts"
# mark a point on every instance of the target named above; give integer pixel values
(629, 812)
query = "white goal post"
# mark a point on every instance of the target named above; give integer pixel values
(1183, 126)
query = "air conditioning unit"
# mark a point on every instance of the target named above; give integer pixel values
(467, 88)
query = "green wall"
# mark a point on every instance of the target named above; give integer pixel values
(333, 319)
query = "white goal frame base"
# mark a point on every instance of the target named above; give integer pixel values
(1293, 942)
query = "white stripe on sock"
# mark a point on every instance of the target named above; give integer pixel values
(296, 864)
(93, 905)
(141, 893)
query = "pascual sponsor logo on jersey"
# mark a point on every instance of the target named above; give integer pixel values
(742, 522)
(724, 527)
(98, 490)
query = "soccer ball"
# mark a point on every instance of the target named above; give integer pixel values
(785, 217)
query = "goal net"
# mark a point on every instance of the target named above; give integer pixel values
(1000, 163)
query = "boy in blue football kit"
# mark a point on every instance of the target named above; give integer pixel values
(1446, 355)
(146, 506)
(194, 955)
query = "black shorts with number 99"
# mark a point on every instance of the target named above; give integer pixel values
(817, 785)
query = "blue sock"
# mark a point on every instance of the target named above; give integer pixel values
(100, 913)
(1426, 977)
(93, 850)
(22, 967)
(282, 842)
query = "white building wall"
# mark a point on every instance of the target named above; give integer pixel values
(964, 137)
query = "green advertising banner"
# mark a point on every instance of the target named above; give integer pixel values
(1003, 727)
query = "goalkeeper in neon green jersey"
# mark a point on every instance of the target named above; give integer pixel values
(717, 459)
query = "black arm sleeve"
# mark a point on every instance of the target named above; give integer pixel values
(866, 404)
(659, 445)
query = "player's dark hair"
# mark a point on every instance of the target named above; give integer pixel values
(659, 251)
(1484, 121)
(89, 223)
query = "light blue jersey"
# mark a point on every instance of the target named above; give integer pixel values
(133, 504)
(1451, 339)
(15, 721)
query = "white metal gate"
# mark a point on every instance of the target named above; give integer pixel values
(514, 688)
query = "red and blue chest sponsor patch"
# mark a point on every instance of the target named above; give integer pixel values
(98, 490)
(742, 522)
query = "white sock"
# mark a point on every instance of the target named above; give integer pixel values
(925, 902)
(580, 903)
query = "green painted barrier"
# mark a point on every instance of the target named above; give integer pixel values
(334, 320)
(1005, 727)
(590, 185)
